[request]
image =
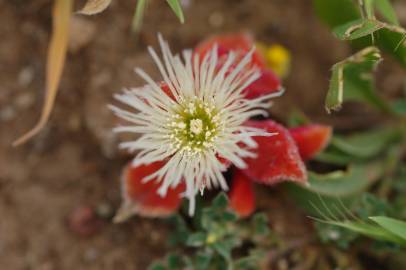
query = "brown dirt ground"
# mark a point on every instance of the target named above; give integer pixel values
(74, 162)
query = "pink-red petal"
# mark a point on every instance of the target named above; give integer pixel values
(267, 84)
(239, 43)
(278, 157)
(311, 139)
(142, 198)
(241, 196)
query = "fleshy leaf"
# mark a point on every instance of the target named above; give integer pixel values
(142, 198)
(242, 197)
(278, 157)
(352, 80)
(311, 139)
(395, 226)
(388, 12)
(335, 189)
(366, 144)
(386, 40)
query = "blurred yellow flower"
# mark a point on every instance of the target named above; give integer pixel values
(277, 58)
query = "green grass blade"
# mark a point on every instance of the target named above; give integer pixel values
(176, 7)
(395, 226)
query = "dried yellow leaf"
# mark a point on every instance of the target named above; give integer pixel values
(62, 11)
(94, 6)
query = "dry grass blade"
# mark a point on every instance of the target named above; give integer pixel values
(56, 59)
(94, 6)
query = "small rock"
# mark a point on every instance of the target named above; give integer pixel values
(81, 32)
(25, 100)
(91, 254)
(26, 76)
(186, 3)
(7, 114)
(74, 122)
(84, 221)
(105, 210)
(216, 19)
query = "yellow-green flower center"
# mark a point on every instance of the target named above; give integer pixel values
(194, 126)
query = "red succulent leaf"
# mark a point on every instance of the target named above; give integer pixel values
(242, 197)
(268, 83)
(311, 139)
(240, 43)
(278, 157)
(142, 198)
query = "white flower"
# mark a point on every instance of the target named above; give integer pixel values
(201, 120)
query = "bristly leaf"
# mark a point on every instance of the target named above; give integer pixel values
(177, 8)
(352, 80)
(94, 6)
(370, 230)
(55, 62)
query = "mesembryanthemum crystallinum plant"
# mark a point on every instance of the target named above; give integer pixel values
(194, 120)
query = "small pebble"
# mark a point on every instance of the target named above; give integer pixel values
(7, 114)
(216, 19)
(81, 33)
(26, 76)
(91, 255)
(84, 221)
(105, 210)
(283, 264)
(25, 100)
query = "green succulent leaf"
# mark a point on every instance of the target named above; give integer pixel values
(357, 29)
(327, 11)
(385, 8)
(203, 261)
(367, 144)
(260, 222)
(389, 36)
(196, 239)
(395, 226)
(157, 266)
(352, 80)
(220, 202)
(331, 195)
(344, 183)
